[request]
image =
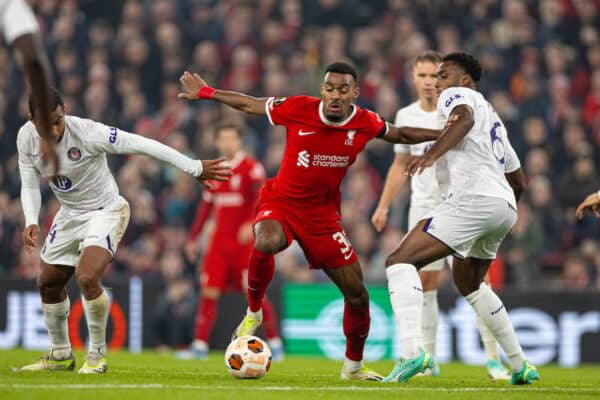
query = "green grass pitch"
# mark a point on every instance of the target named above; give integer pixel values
(152, 376)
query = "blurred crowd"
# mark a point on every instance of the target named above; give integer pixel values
(118, 62)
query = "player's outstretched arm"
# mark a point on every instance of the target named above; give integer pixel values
(459, 124)
(592, 203)
(195, 88)
(393, 183)
(410, 135)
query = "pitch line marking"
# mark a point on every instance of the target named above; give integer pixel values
(382, 388)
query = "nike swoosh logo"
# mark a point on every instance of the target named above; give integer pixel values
(305, 133)
(348, 257)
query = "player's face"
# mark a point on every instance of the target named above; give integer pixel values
(228, 142)
(57, 117)
(338, 92)
(450, 75)
(425, 75)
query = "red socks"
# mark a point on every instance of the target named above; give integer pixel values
(260, 274)
(356, 329)
(269, 323)
(206, 313)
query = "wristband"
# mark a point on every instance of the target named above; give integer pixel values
(206, 92)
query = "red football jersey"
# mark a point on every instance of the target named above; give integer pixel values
(233, 202)
(318, 152)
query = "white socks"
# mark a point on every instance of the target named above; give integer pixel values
(96, 313)
(430, 321)
(406, 297)
(489, 341)
(351, 365)
(493, 313)
(55, 317)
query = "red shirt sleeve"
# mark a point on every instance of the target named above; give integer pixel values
(379, 126)
(282, 110)
(202, 213)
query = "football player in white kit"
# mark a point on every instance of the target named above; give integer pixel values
(19, 27)
(484, 182)
(425, 197)
(92, 219)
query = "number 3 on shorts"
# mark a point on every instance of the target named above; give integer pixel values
(346, 249)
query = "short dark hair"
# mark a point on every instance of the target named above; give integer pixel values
(342, 67)
(429, 56)
(229, 125)
(466, 61)
(55, 101)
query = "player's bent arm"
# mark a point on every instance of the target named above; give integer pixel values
(394, 181)
(202, 213)
(410, 135)
(462, 122)
(516, 180)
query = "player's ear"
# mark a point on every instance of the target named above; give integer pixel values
(355, 91)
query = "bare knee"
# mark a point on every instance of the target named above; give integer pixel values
(51, 291)
(268, 242)
(89, 284)
(398, 257)
(466, 288)
(360, 299)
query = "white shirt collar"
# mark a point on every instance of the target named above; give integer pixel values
(331, 123)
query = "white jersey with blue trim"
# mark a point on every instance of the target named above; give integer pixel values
(16, 19)
(84, 181)
(478, 163)
(425, 191)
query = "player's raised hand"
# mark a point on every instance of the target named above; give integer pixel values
(191, 84)
(417, 164)
(216, 170)
(30, 237)
(592, 203)
(379, 218)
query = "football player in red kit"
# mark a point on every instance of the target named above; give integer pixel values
(225, 265)
(302, 202)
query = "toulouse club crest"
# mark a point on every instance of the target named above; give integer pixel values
(74, 154)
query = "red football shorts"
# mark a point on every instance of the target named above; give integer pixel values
(225, 267)
(316, 228)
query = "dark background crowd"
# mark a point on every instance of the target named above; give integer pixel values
(118, 62)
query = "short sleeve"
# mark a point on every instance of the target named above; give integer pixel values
(512, 162)
(453, 97)
(16, 19)
(281, 110)
(379, 126)
(400, 148)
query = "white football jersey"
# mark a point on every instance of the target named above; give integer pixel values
(477, 164)
(84, 181)
(425, 191)
(16, 19)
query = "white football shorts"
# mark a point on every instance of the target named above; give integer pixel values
(472, 225)
(72, 232)
(416, 214)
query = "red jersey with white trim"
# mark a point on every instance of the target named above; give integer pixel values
(233, 203)
(318, 152)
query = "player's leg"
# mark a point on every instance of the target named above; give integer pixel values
(103, 232)
(495, 369)
(430, 276)
(356, 319)
(51, 284)
(213, 281)
(415, 251)
(96, 303)
(270, 237)
(469, 276)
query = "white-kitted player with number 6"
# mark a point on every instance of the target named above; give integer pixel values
(92, 219)
(483, 184)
